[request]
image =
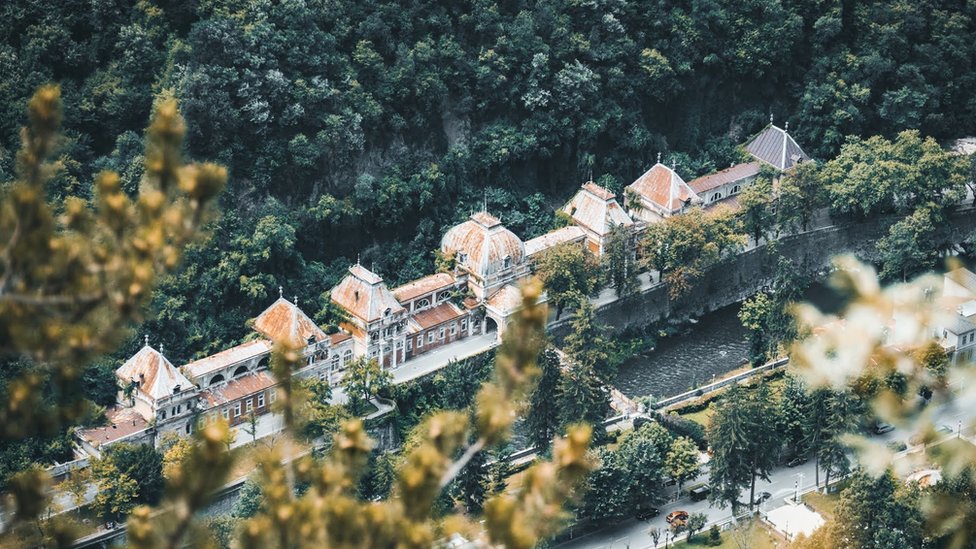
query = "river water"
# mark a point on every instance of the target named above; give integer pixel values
(699, 353)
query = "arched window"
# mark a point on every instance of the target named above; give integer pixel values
(346, 356)
(335, 362)
(264, 362)
(716, 196)
(736, 189)
(423, 303)
(462, 258)
(219, 378)
(507, 262)
(241, 370)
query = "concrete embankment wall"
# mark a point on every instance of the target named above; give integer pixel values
(750, 271)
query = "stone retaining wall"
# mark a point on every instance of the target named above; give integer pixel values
(751, 271)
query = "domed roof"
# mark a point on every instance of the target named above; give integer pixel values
(481, 245)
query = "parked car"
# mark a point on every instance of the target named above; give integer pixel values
(700, 492)
(897, 446)
(944, 429)
(763, 496)
(881, 428)
(676, 516)
(645, 512)
(798, 460)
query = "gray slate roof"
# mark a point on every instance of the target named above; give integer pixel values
(776, 147)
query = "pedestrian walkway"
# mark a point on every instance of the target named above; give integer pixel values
(435, 360)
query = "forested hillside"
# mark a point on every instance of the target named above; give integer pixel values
(368, 126)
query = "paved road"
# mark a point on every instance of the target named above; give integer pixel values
(632, 533)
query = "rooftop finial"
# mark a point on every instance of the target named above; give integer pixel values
(485, 201)
(770, 118)
(658, 157)
(786, 127)
(357, 259)
(296, 301)
(280, 290)
(145, 340)
(160, 348)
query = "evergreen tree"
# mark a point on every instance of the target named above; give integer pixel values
(744, 446)
(586, 344)
(583, 396)
(619, 262)
(542, 420)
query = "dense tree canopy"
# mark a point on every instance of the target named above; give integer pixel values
(377, 125)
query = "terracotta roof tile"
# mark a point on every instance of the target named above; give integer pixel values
(339, 337)
(122, 422)
(596, 209)
(240, 353)
(507, 300)
(600, 192)
(283, 320)
(714, 180)
(157, 377)
(663, 186)
(363, 295)
(445, 312)
(483, 244)
(554, 238)
(238, 388)
(422, 286)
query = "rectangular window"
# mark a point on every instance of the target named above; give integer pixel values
(441, 333)
(249, 405)
(453, 328)
(274, 395)
(226, 413)
(261, 400)
(237, 410)
(177, 410)
(162, 415)
(430, 337)
(420, 341)
(410, 344)
(464, 324)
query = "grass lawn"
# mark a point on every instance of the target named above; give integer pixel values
(823, 504)
(702, 417)
(754, 536)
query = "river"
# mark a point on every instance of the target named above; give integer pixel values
(700, 353)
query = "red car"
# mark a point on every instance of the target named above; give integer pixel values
(676, 516)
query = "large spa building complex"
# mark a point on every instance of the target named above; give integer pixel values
(396, 325)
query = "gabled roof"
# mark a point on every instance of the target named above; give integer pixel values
(776, 147)
(423, 286)
(238, 388)
(714, 180)
(596, 209)
(663, 186)
(228, 357)
(155, 376)
(284, 321)
(539, 244)
(122, 422)
(434, 316)
(507, 300)
(364, 295)
(963, 277)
